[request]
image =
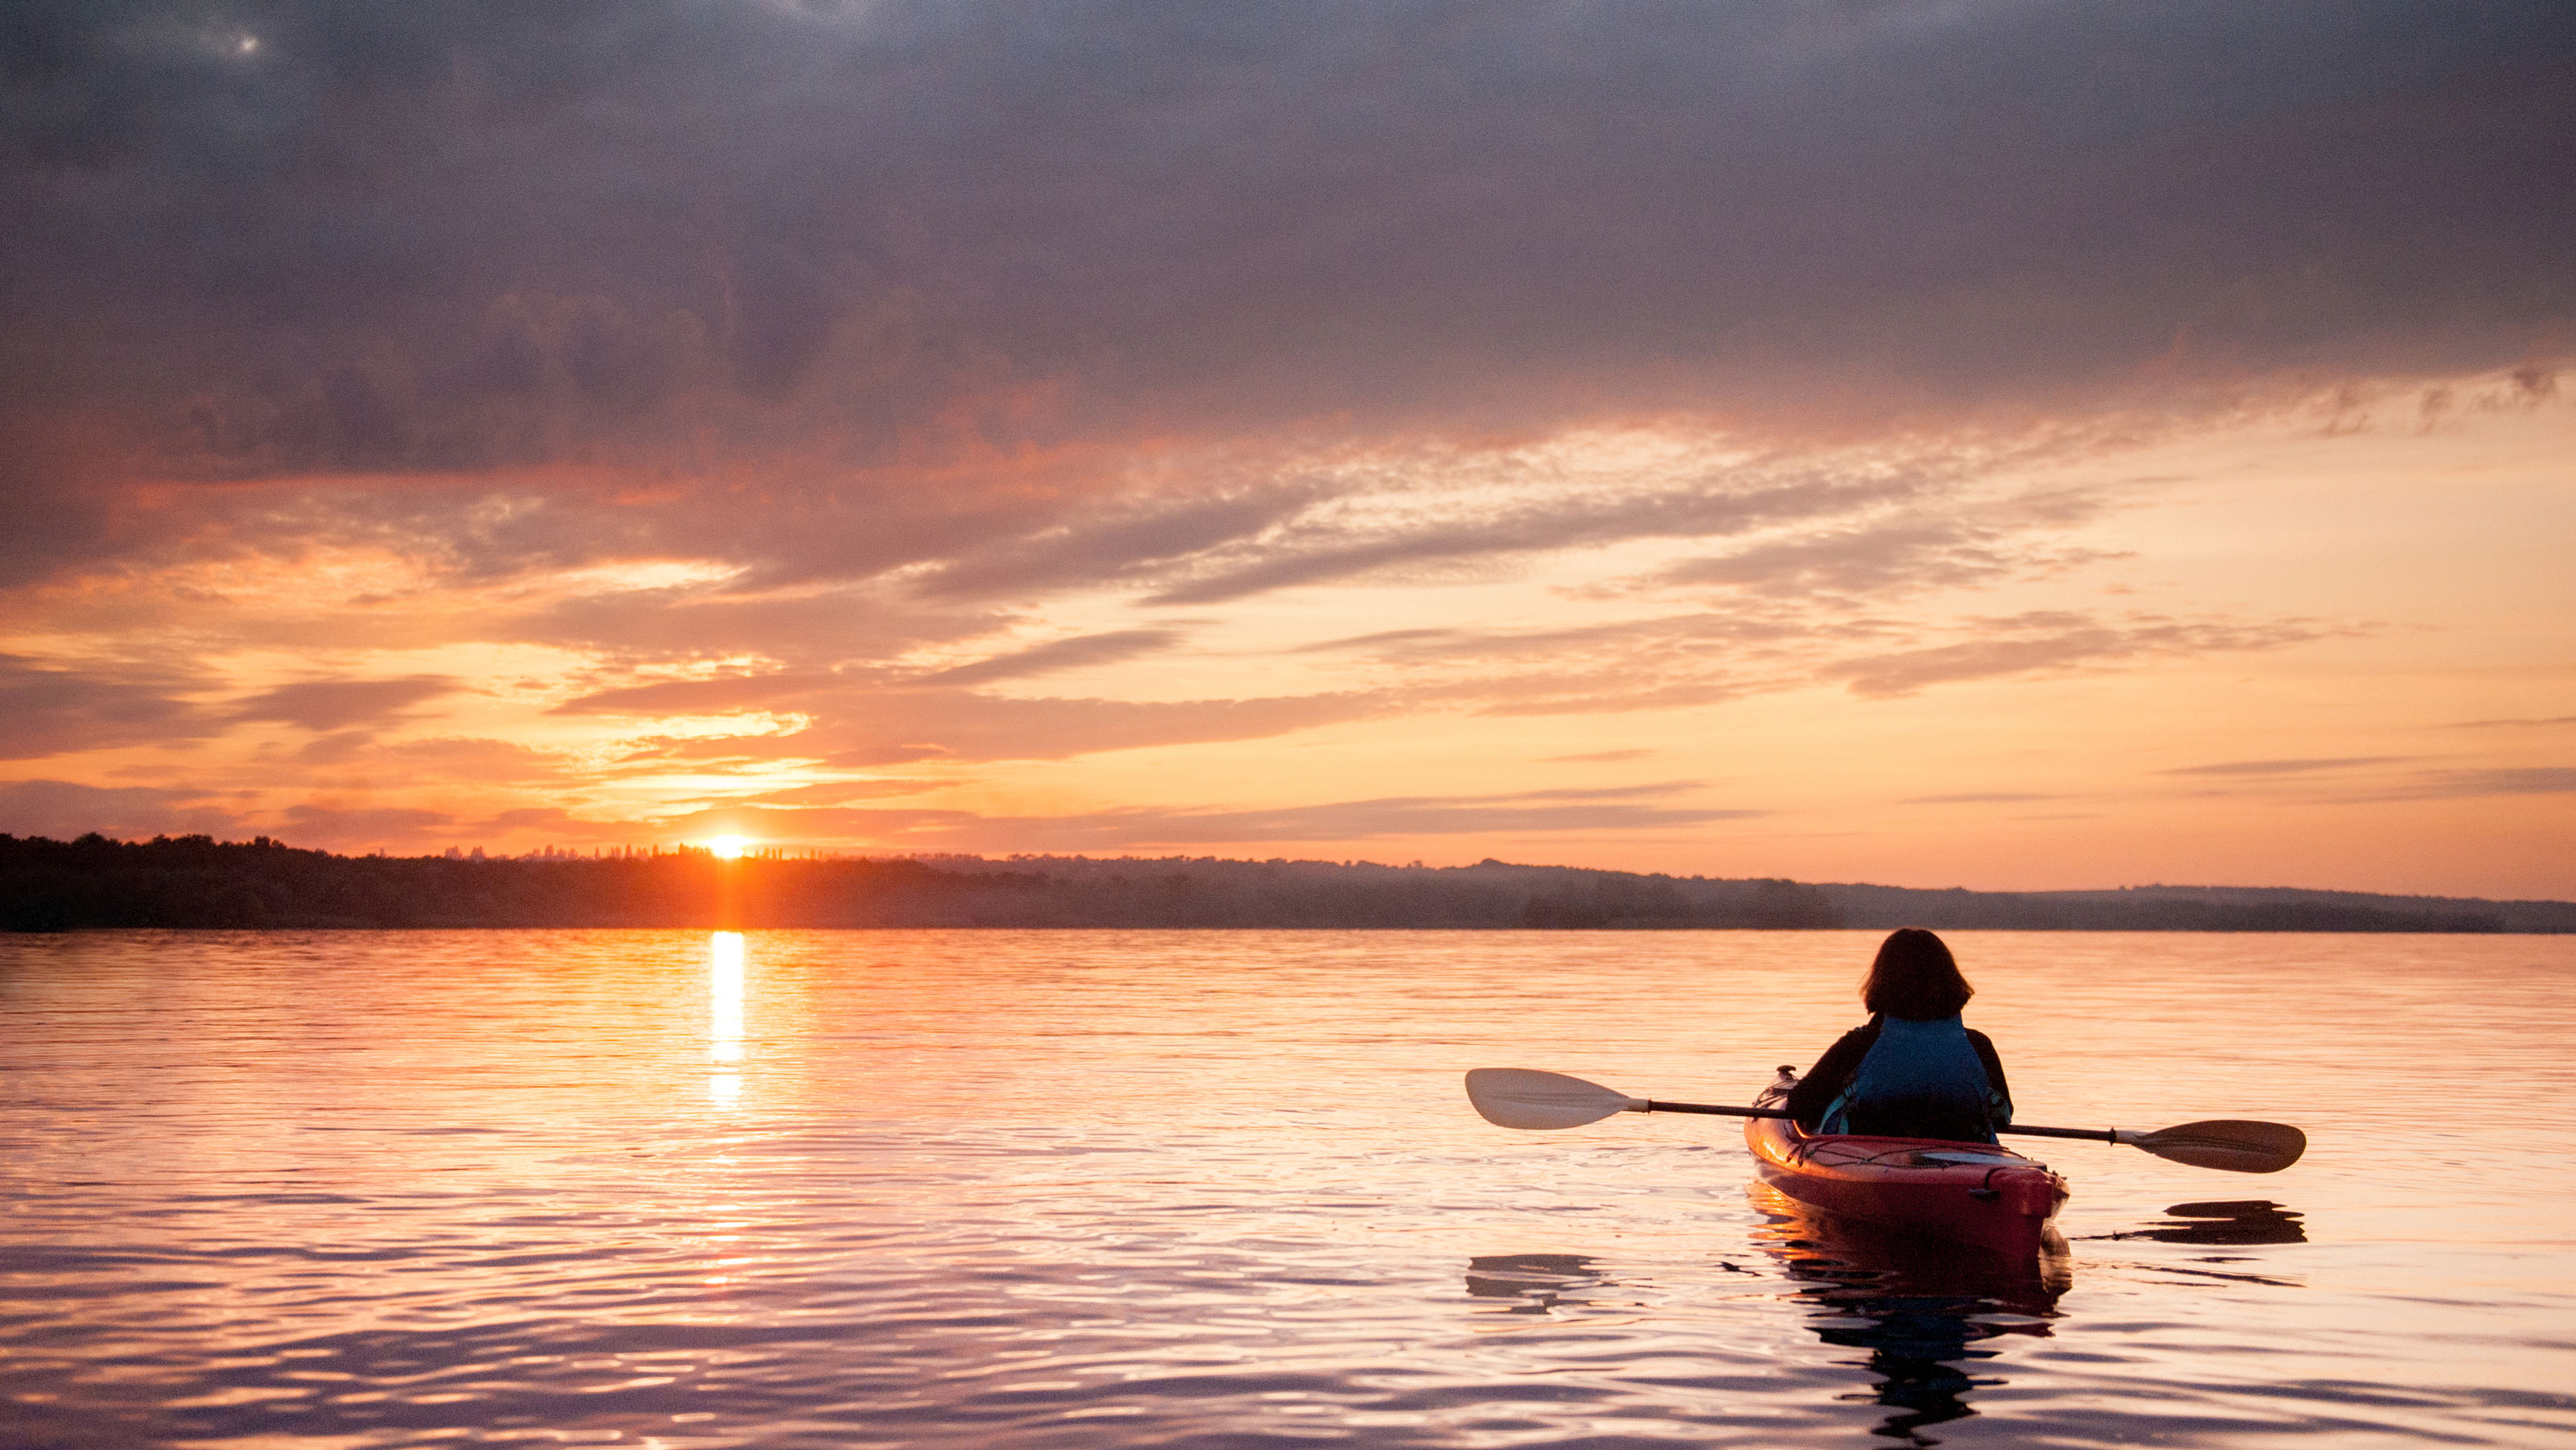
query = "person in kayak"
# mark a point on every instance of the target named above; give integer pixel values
(1913, 1070)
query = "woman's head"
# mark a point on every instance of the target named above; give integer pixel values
(1915, 978)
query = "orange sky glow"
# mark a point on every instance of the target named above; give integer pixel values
(1539, 441)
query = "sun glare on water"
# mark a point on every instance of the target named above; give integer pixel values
(728, 848)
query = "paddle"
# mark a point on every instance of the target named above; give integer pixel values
(1516, 1097)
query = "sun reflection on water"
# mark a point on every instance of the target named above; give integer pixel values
(724, 1017)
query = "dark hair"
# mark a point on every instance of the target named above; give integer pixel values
(1915, 977)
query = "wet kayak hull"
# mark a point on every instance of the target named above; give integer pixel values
(1975, 1193)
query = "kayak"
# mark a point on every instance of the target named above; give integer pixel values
(1975, 1193)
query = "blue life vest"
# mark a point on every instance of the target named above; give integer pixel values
(1918, 1080)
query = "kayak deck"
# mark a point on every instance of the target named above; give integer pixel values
(1976, 1193)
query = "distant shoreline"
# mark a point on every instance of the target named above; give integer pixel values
(195, 882)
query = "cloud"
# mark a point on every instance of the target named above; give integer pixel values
(2533, 724)
(1977, 798)
(841, 792)
(858, 721)
(1062, 654)
(462, 759)
(802, 626)
(717, 695)
(343, 827)
(327, 705)
(1122, 542)
(2286, 767)
(1332, 551)
(2488, 781)
(1623, 808)
(1962, 546)
(708, 367)
(51, 708)
(810, 268)
(63, 809)
(2054, 642)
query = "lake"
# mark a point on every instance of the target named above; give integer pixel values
(1222, 1189)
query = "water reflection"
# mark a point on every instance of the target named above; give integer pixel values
(2231, 1221)
(1924, 1310)
(1535, 1283)
(724, 1017)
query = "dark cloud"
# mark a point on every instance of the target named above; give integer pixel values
(54, 708)
(923, 281)
(328, 705)
(2514, 724)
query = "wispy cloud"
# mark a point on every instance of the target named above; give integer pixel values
(1332, 551)
(64, 809)
(2469, 784)
(1527, 812)
(1908, 553)
(323, 705)
(2287, 767)
(53, 707)
(1062, 654)
(2055, 641)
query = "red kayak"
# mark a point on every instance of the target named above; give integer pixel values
(1975, 1193)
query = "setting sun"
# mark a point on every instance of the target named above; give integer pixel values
(727, 848)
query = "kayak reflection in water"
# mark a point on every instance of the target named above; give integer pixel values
(1914, 1070)
(1926, 1312)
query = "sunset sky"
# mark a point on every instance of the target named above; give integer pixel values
(1993, 444)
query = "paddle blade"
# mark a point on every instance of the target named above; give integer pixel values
(2236, 1144)
(1517, 1097)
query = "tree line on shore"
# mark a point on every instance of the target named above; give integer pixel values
(198, 882)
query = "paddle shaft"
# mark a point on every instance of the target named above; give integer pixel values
(1715, 1111)
(2096, 1135)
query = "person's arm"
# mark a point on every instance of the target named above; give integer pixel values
(1832, 1073)
(1998, 1092)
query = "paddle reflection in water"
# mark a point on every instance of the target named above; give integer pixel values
(2234, 1221)
(1535, 1283)
(1922, 1308)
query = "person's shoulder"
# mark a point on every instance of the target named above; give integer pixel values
(1981, 1039)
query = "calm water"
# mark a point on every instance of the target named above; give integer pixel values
(1222, 1189)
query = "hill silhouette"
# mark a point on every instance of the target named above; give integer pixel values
(198, 882)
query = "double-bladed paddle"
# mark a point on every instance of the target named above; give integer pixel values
(1518, 1097)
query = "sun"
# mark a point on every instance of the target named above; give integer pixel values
(728, 848)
